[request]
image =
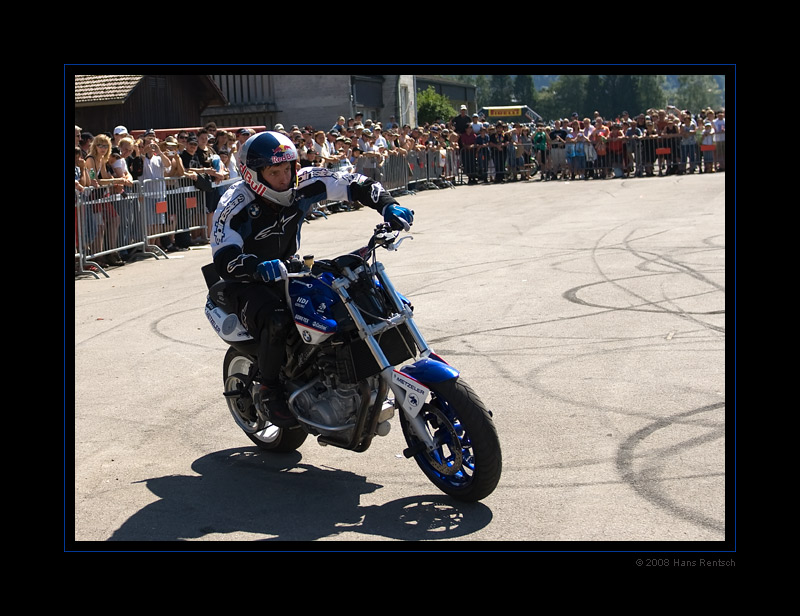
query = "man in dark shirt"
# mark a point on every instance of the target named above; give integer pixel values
(461, 121)
(497, 147)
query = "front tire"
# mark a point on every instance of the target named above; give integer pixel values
(265, 435)
(467, 462)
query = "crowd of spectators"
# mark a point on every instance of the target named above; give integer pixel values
(116, 159)
(655, 142)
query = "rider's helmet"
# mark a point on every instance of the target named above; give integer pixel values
(264, 150)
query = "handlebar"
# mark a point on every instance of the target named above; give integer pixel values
(383, 236)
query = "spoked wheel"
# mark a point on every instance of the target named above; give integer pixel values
(467, 462)
(235, 369)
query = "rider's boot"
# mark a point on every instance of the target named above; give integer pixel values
(272, 401)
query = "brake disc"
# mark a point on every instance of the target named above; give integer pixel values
(446, 438)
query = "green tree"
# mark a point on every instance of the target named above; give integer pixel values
(546, 105)
(650, 93)
(569, 94)
(696, 92)
(481, 91)
(594, 93)
(524, 91)
(432, 107)
(501, 90)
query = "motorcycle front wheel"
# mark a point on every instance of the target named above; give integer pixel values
(467, 461)
(265, 435)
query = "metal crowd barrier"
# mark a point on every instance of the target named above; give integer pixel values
(173, 205)
(112, 220)
(108, 219)
(497, 162)
(430, 168)
(624, 157)
(395, 173)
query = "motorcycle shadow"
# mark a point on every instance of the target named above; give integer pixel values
(243, 490)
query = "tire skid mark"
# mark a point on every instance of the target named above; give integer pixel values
(571, 295)
(671, 263)
(646, 305)
(647, 486)
(154, 328)
(148, 312)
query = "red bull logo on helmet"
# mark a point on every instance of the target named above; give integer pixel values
(283, 153)
(251, 181)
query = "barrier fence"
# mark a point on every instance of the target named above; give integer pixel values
(110, 219)
(630, 157)
(497, 162)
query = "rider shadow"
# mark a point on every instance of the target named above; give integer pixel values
(243, 490)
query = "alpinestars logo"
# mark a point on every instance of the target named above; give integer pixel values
(277, 228)
(236, 263)
(375, 194)
(219, 228)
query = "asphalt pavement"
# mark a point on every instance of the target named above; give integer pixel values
(589, 316)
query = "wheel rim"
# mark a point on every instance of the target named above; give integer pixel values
(452, 462)
(241, 407)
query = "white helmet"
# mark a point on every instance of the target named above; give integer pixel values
(264, 150)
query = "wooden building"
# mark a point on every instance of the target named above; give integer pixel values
(139, 102)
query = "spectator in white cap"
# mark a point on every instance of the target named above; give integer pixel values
(120, 132)
(477, 125)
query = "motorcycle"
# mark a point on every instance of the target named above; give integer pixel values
(346, 372)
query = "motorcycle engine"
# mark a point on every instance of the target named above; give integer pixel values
(329, 410)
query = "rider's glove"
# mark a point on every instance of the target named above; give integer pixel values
(269, 271)
(399, 217)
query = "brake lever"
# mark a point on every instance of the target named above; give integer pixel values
(397, 242)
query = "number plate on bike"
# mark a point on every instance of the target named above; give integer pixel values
(416, 392)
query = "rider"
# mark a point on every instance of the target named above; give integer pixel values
(256, 228)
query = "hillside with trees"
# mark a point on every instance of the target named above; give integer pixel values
(558, 96)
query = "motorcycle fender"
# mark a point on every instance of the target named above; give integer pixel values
(430, 371)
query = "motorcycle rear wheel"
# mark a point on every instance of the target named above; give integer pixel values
(264, 434)
(467, 463)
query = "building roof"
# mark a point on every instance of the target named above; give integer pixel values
(105, 89)
(91, 90)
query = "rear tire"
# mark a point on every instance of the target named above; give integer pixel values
(265, 435)
(467, 463)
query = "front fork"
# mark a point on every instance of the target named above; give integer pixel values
(408, 385)
(409, 396)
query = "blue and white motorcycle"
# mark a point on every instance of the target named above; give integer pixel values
(349, 367)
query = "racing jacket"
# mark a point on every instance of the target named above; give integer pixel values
(248, 229)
